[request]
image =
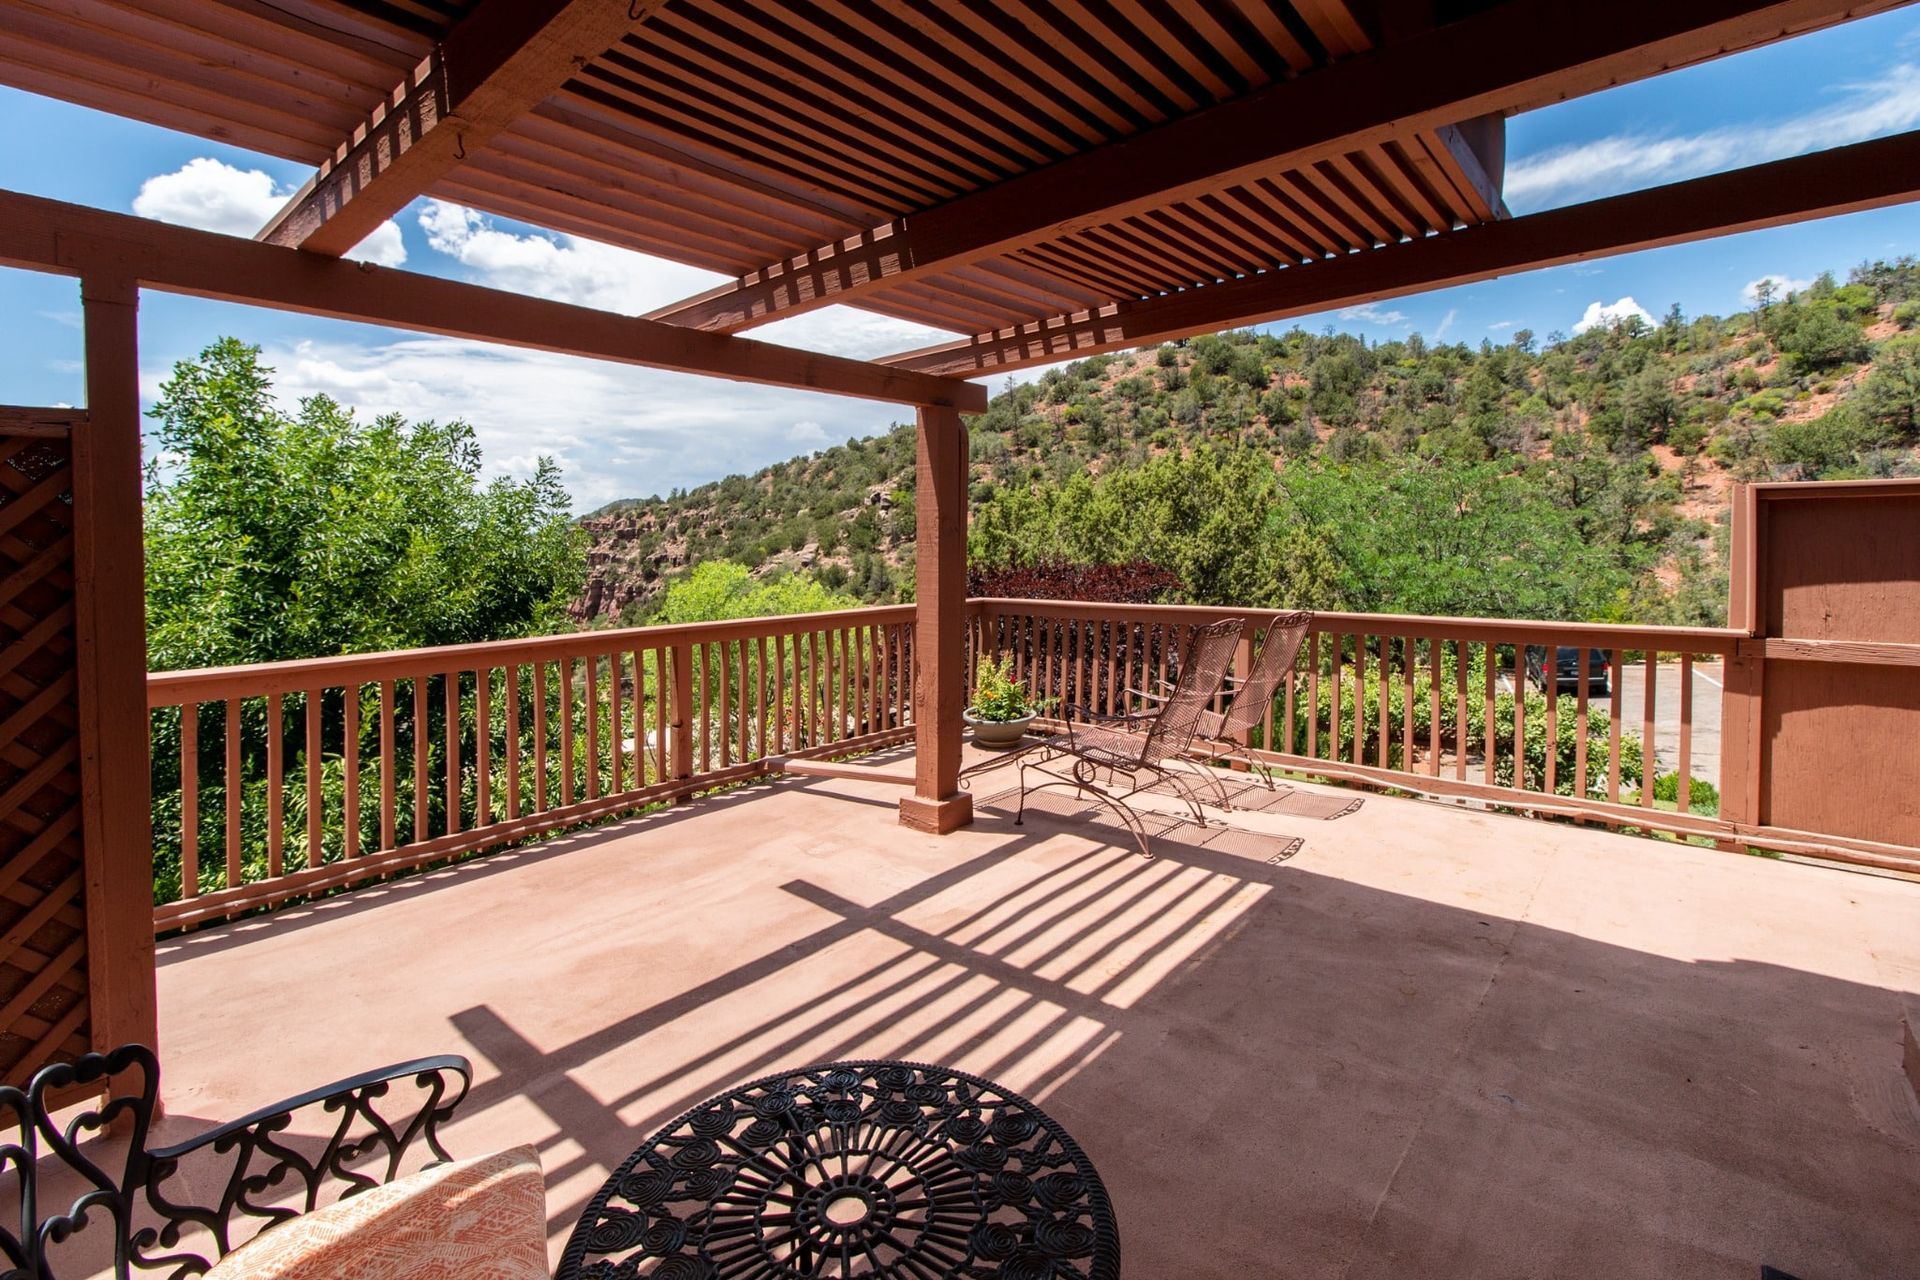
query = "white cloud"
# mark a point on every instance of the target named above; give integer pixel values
(617, 431)
(213, 196)
(1498, 325)
(1374, 315)
(1782, 286)
(1625, 162)
(1446, 322)
(591, 274)
(806, 434)
(1611, 313)
(564, 268)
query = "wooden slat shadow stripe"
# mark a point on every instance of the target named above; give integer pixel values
(1161, 827)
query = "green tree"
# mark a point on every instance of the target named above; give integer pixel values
(1891, 396)
(274, 536)
(721, 589)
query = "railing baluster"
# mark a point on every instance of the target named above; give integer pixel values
(761, 749)
(388, 783)
(316, 798)
(1462, 735)
(779, 659)
(1406, 703)
(592, 693)
(566, 732)
(1333, 728)
(685, 715)
(540, 795)
(236, 793)
(1110, 641)
(350, 764)
(617, 723)
(1550, 677)
(1433, 708)
(1520, 717)
(1313, 695)
(725, 679)
(1649, 759)
(812, 719)
(483, 746)
(421, 794)
(1291, 684)
(512, 694)
(1683, 795)
(662, 715)
(843, 680)
(1489, 721)
(1615, 665)
(1585, 670)
(276, 781)
(190, 800)
(450, 695)
(1385, 754)
(1359, 699)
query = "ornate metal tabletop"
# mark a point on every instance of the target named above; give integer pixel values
(853, 1169)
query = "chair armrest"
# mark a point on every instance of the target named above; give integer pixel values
(254, 1157)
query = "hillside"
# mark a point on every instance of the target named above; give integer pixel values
(1626, 439)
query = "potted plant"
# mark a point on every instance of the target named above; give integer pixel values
(1001, 708)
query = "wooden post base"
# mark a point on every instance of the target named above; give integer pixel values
(937, 817)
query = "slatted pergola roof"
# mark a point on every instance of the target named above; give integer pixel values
(1040, 178)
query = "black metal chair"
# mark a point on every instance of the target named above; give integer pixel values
(262, 1167)
(1136, 745)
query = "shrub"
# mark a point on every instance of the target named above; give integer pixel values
(1135, 582)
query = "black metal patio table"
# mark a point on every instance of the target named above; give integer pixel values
(853, 1169)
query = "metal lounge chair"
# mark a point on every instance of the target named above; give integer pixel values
(1137, 746)
(1224, 735)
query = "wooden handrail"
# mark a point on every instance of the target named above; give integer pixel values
(1599, 635)
(207, 684)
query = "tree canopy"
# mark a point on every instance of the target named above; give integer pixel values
(273, 535)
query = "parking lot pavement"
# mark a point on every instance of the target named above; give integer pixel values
(1666, 717)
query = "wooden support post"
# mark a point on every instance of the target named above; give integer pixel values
(110, 633)
(940, 627)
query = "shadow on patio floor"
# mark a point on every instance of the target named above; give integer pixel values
(1431, 1044)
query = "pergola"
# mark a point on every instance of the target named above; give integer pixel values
(1045, 180)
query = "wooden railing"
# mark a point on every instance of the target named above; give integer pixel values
(287, 779)
(1442, 706)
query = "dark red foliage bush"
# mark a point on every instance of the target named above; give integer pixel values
(1135, 582)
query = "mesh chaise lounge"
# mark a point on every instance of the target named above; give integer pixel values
(1096, 751)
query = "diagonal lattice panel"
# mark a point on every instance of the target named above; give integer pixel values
(43, 935)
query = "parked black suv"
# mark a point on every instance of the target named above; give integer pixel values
(1566, 670)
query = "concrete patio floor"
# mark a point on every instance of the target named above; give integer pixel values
(1420, 1042)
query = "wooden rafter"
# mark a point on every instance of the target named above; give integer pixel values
(1865, 175)
(1507, 58)
(49, 235)
(504, 59)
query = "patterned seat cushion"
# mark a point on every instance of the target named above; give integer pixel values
(483, 1219)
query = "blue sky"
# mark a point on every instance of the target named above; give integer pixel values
(621, 432)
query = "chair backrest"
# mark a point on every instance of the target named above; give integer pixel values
(1201, 674)
(1274, 663)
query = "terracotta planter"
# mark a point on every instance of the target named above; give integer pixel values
(996, 733)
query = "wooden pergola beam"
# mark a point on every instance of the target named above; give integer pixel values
(50, 235)
(1510, 57)
(498, 63)
(1866, 175)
